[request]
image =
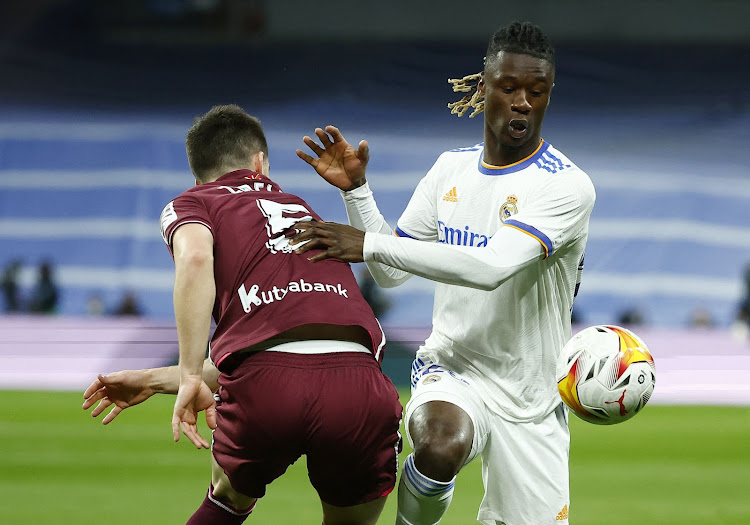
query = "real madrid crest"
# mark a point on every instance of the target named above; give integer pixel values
(508, 208)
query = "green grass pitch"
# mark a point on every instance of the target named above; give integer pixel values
(669, 465)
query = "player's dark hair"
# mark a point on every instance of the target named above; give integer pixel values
(225, 136)
(523, 38)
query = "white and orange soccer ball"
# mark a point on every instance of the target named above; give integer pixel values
(605, 374)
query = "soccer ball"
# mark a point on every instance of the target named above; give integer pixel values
(605, 374)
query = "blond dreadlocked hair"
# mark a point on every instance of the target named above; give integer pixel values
(467, 84)
(517, 37)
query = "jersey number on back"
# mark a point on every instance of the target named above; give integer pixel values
(280, 217)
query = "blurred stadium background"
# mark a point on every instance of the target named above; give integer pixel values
(651, 99)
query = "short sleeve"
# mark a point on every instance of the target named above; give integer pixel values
(419, 220)
(558, 213)
(184, 209)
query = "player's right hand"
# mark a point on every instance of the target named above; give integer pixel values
(338, 162)
(121, 389)
(193, 396)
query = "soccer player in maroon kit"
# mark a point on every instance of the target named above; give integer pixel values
(297, 347)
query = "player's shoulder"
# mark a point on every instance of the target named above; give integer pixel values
(568, 174)
(563, 162)
(461, 154)
(449, 160)
(190, 197)
(467, 149)
(191, 193)
(191, 201)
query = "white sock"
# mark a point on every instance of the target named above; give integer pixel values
(421, 500)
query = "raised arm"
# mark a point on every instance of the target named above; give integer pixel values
(343, 166)
(338, 162)
(363, 214)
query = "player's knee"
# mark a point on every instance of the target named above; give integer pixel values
(441, 456)
(223, 492)
(442, 434)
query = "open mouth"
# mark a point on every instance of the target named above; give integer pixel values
(518, 127)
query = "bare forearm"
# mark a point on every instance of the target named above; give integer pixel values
(166, 380)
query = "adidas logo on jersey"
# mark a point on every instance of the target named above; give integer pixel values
(563, 514)
(451, 196)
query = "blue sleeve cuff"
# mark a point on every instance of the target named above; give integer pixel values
(530, 230)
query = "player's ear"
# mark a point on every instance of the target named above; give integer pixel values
(549, 98)
(480, 85)
(258, 162)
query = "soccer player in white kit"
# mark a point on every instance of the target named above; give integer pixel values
(502, 228)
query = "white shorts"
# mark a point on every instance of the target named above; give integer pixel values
(524, 465)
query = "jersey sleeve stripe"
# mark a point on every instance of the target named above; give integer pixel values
(530, 230)
(401, 233)
(187, 221)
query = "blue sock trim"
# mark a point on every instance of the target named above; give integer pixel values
(422, 484)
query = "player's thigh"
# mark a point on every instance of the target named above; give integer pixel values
(224, 492)
(433, 382)
(354, 440)
(363, 514)
(525, 471)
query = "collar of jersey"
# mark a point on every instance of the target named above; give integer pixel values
(248, 174)
(489, 169)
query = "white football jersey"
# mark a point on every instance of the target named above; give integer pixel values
(507, 339)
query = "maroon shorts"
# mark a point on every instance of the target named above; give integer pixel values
(338, 409)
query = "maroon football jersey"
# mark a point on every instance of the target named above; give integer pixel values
(263, 288)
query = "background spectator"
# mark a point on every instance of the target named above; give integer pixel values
(45, 296)
(741, 324)
(10, 286)
(701, 318)
(632, 316)
(95, 305)
(128, 305)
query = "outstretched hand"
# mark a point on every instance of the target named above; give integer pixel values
(338, 162)
(122, 389)
(193, 396)
(338, 241)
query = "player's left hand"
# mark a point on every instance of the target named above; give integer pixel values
(338, 241)
(122, 389)
(193, 396)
